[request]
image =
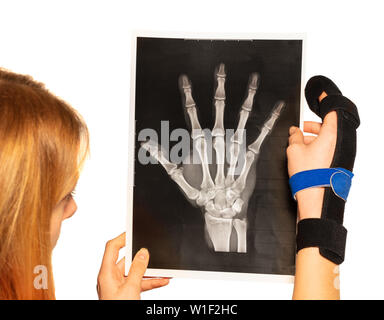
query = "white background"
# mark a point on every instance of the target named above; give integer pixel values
(82, 51)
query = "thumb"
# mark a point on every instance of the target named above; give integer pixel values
(138, 268)
(329, 123)
(295, 136)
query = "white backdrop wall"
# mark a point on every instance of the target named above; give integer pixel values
(82, 51)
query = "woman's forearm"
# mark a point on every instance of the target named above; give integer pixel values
(316, 277)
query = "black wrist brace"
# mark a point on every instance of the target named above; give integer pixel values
(328, 232)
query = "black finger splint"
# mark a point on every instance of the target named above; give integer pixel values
(328, 232)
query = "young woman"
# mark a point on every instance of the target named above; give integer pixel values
(43, 144)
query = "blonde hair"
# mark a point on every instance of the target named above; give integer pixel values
(43, 143)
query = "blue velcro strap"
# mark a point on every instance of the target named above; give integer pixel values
(338, 179)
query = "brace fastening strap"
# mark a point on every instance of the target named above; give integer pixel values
(338, 179)
(329, 236)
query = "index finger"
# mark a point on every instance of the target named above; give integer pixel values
(112, 249)
(312, 127)
(189, 106)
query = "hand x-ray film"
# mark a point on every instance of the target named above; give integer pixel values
(209, 193)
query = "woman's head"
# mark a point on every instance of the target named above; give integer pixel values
(43, 143)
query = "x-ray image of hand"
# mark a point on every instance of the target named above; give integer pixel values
(220, 185)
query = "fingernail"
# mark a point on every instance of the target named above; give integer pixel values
(292, 130)
(142, 254)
